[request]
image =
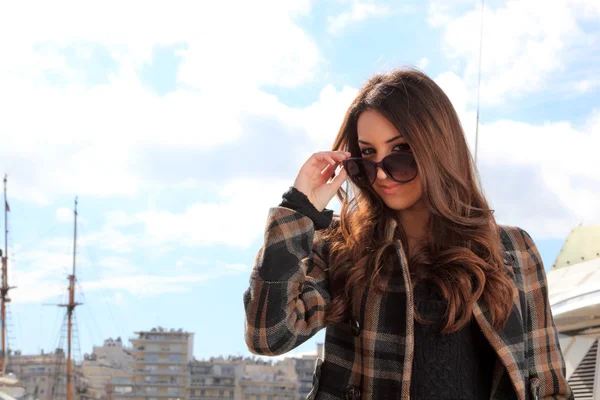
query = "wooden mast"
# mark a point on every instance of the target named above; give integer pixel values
(71, 308)
(5, 288)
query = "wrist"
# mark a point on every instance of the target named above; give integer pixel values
(297, 200)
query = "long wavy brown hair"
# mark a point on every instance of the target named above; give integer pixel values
(461, 254)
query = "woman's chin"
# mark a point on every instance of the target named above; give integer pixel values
(399, 203)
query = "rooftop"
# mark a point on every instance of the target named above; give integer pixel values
(582, 245)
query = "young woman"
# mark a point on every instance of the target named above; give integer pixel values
(422, 294)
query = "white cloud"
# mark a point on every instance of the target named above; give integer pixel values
(185, 261)
(118, 299)
(359, 11)
(321, 121)
(76, 149)
(64, 215)
(526, 45)
(89, 140)
(196, 24)
(116, 266)
(262, 38)
(237, 219)
(109, 238)
(455, 89)
(587, 9)
(152, 285)
(42, 275)
(423, 63)
(587, 85)
(546, 177)
(119, 218)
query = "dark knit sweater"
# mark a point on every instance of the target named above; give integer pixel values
(458, 365)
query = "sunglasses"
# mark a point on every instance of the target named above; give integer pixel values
(400, 167)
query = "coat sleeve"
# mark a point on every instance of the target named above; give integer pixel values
(547, 369)
(288, 295)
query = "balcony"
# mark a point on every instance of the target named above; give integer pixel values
(138, 372)
(220, 386)
(161, 362)
(210, 397)
(213, 396)
(262, 390)
(160, 384)
(147, 395)
(144, 350)
(136, 340)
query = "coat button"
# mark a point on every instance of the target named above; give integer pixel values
(355, 326)
(352, 393)
(508, 259)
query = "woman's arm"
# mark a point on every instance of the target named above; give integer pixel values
(288, 294)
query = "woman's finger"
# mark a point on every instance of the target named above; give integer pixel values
(328, 172)
(337, 182)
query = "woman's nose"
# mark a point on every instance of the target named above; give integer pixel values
(380, 173)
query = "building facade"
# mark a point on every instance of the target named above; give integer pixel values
(266, 381)
(214, 379)
(44, 375)
(108, 366)
(159, 366)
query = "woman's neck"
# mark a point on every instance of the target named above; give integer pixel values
(415, 222)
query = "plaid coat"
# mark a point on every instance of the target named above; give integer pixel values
(370, 356)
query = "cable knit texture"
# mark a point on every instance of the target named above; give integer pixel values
(451, 366)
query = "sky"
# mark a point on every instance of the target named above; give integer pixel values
(179, 126)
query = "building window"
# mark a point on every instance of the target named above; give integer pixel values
(151, 357)
(175, 357)
(157, 337)
(123, 389)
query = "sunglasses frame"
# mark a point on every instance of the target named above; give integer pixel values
(380, 165)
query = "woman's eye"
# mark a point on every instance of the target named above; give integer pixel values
(402, 147)
(366, 151)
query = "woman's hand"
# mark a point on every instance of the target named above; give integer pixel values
(314, 178)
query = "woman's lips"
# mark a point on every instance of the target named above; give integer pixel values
(389, 189)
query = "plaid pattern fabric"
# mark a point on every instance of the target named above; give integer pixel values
(370, 355)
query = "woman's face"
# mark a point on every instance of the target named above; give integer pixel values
(378, 137)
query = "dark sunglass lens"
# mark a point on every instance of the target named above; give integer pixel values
(362, 172)
(401, 166)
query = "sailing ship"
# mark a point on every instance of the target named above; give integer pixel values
(57, 379)
(10, 388)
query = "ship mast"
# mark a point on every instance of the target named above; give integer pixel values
(71, 309)
(5, 288)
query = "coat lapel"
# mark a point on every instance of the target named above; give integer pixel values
(508, 343)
